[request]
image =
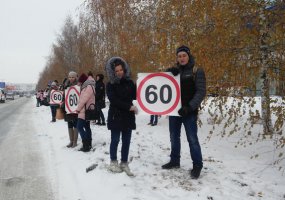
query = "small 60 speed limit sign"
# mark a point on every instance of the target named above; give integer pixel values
(158, 93)
(56, 97)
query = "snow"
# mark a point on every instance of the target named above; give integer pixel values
(229, 172)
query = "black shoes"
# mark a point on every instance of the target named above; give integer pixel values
(171, 165)
(195, 172)
(87, 146)
(101, 124)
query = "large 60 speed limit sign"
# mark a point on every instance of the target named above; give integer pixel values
(158, 93)
(71, 99)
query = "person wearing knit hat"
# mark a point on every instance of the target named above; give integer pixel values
(82, 78)
(72, 74)
(53, 106)
(184, 49)
(86, 99)
(71, 119)
(193, 91)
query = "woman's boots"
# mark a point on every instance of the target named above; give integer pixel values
(73, 136)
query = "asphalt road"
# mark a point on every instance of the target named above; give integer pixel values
(23, 175)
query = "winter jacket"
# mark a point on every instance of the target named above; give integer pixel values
(100, 93)
(121, 93)
(87, 96)
(192, 87)
(38, 94)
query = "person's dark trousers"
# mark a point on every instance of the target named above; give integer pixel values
(38, 102)
(84, 130)
(126, 140)
(72, 124)
(102, 117)
(53, 111)
(190, 125)
(153, 119)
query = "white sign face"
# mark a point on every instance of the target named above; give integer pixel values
(56, 97)
(158, 93)
(71, 99)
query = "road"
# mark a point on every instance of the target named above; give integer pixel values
(23, 175)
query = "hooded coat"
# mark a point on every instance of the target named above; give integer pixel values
(121, 93)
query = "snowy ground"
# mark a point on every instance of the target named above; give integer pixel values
(228, 172)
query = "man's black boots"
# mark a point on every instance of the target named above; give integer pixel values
(195, 172)
(171, 165)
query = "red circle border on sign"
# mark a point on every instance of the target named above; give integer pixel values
(149, 77)
(65, 101)
(52, 94)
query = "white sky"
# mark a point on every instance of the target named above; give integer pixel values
(27, 30)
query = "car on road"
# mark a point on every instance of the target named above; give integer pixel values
(2, 96)
(28, 95)
(10, 95)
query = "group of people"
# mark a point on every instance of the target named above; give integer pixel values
(121, 91)
(41, 96)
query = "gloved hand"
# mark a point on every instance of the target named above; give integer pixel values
(184, 111)
(134, 109)
(173, 70)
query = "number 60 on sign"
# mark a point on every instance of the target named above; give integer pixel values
(71, 99)
(158, 93)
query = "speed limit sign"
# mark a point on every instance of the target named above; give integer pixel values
(158, 93)
(72, 98)
(56, 97)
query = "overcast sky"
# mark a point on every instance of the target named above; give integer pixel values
(27, 30)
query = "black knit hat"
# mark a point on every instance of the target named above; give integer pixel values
(183, 48)
(82, 78)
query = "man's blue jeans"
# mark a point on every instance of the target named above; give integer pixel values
(126, 140)
(190, 125)
(84, 130)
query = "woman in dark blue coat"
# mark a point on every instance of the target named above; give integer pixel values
(121, 91)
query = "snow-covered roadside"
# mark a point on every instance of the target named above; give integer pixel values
(228, 172)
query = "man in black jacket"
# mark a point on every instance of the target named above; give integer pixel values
(193, 91)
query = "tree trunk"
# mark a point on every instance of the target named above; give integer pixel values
(265, 62)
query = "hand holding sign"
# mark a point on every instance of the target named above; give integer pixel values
(158, 93)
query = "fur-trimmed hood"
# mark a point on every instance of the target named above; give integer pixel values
(110, 70)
